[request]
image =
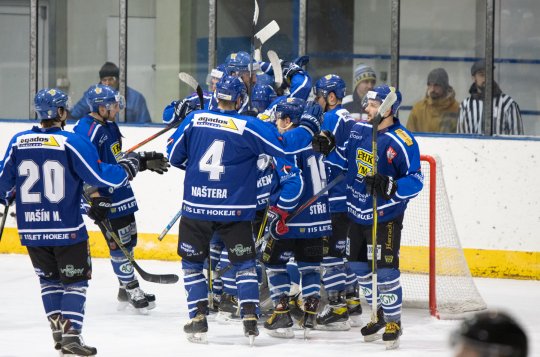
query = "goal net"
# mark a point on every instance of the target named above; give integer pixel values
(435, 274)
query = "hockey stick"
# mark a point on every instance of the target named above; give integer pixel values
(192, 82)
(252, 54)
(105, 226)
(386, 104)
(4, 217)
(152, 137)
(262, 36)
(170, 224)
(276, 66)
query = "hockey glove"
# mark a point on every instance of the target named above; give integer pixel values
(99, 208)
(324, 142)
(184, 107)
(277, 225)
(385, 186)
(130, 163)
(289, 70)
(302, 61)
(153, 161)
(312, 117)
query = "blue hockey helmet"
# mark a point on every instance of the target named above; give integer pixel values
(240, 62)
(48, 100)
(230, 88)
(379, 94)
(101, 95)
(328, 84)
(292, 108)
(261, 96)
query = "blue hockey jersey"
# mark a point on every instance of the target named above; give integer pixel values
(107, 139)
(219, 151)
(339, 122)
(315, 220)
(47, 168)
(398, 157)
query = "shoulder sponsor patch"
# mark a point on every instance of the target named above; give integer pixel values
(32, 141)
(220, 122)
(404, 136)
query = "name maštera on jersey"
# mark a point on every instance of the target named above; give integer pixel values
(107, 139)
(49, 166)
(219, 151)
(339, 122)
(398, 157)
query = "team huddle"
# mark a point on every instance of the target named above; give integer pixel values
(280, 189)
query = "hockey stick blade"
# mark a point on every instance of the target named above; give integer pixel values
(192, 82)
(155, 278)
(276, 66)
(386, 104)
(188, 79)
(266, 33)
(256, 14)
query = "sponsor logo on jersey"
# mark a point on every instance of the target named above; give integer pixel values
(390, 154)
(404, 136)
(116, 150)
(37, 141)
(220, 122)
(364, 162)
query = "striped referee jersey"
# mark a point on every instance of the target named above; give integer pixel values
(506, 116)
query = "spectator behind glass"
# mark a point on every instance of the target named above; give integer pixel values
(506, 115)
(489, 334)
(136, 110)
(364, 81)
(438, 111)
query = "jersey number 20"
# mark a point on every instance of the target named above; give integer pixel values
(53, 181)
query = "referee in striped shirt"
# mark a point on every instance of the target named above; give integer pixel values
(506, 116)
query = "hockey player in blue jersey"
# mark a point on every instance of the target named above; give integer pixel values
(118, 205)
(219, 149)
(46, 167)
(302, 238)
(337, 123)
(398, 180)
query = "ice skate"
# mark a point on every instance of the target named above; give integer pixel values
(295, 307)
(355, 310)
(56, 330)
(196, 329)
(370, 331)
(335, 315)
(280, 323)
(250, 322)
(136, 298)
(228, 309)
(124, 298)
(310, 315)
(73, 345)
(391, 334)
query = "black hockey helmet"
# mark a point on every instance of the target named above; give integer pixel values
(492, 333)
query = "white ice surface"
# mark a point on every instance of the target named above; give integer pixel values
(24, 330)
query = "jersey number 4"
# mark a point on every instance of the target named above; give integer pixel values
(53, 181)
(211, 161)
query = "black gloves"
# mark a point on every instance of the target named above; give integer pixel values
(153, 161)
(312, 117)
(385, 186)
(99, 208)
(130, 162)
(184, 107)
(324, 142)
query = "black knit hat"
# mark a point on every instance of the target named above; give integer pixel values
(109, 69)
